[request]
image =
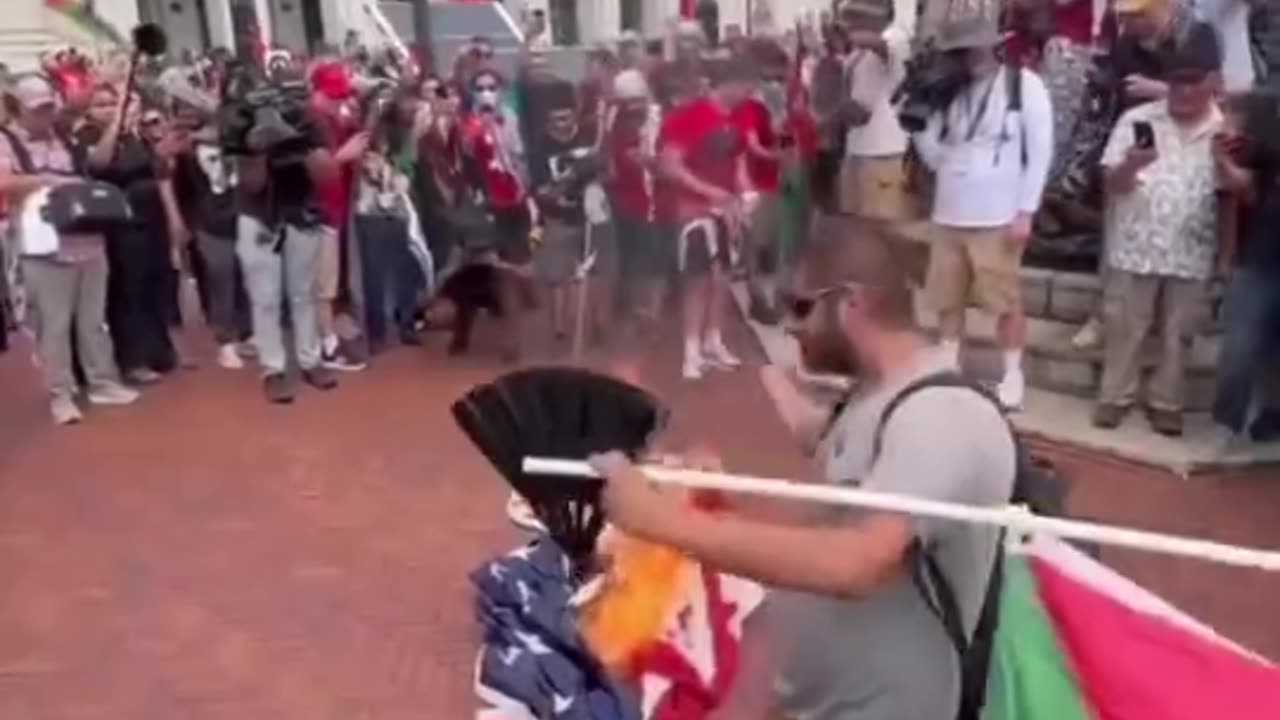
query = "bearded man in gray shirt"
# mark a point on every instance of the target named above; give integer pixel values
(852, 638)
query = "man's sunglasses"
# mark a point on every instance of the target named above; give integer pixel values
(800, 306)
(486, 87)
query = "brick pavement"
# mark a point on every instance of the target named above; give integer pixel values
(203, 555)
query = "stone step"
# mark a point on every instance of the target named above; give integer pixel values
(21, 47)
(1052, 363)
(1061, 417)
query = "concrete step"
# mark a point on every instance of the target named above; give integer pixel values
(1052, 363)
(21, 47)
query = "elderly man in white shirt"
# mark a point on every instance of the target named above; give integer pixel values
(873, 183)
(1161, 235)
(990, 150)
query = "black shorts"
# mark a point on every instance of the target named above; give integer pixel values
(703, 244)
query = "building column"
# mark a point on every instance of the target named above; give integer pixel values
(599, 21)
(266, 21)
(656, 14)
(222, 32)
(338, 17)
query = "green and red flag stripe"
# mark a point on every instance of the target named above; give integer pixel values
(1078, 641)
(81, 12)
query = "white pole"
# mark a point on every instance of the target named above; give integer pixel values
(1013, 518)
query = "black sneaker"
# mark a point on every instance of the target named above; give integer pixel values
(320, 378)
(1266, 428)
(343, 358)
(1109, 417)
(409, 337)
(1165, 422)
(277, 388)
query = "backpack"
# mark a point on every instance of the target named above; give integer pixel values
(1036, 486)
(87, 206)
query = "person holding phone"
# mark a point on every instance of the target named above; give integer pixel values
(1161, 235)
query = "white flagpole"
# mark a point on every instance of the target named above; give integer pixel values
(1015, 519)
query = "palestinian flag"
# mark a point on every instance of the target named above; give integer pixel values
(1077, 641)
(81, 13)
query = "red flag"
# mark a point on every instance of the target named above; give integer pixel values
(686, 8)
(1133, 664)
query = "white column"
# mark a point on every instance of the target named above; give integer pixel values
(262, 8)
(338, 17)
(222, 32)
(656, 14)
(599, 20)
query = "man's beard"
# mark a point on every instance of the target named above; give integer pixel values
(827, 350)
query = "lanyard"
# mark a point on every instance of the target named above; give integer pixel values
(975, 118)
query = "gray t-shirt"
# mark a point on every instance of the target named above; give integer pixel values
(887, 656)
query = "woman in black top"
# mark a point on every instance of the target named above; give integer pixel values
(142, 290)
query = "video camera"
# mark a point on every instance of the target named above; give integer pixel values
(264, 114)
(933, 80)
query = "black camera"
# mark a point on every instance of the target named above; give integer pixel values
(264, 115)
(933, 80)
(574, 171)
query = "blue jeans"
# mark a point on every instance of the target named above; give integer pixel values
(1251, 318)
(392, 277)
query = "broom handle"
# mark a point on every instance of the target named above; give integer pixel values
(1015, 519)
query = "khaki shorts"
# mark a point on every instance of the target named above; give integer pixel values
(875, 188)
(975, 264)
(327, 269)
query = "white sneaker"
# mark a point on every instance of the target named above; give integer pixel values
(64, 411)
(1089, 336)
(694, 367)
(1012, 390)
(229, 357)
(1224, 442)
(719, 356)
(112, 395)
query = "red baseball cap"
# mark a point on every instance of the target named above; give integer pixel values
(333, 80)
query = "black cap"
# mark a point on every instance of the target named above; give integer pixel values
(1197, 55)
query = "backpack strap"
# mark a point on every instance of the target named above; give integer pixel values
(945, 378)
(20, 152)
(1013, 91)
(931, 581)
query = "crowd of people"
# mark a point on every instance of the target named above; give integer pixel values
(581, 209)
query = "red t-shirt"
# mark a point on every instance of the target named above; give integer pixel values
(334, 196)
(711, 145)
(480, 144)
(752, 117)
(628, 184)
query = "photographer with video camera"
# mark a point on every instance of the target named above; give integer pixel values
(284, 232)
(989, 146)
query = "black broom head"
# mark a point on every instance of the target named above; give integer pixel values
(558, 412)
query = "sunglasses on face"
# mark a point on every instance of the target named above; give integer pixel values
(800, 305)
(485, 87)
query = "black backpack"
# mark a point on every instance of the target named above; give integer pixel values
(1036, 486)
(81, 206)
